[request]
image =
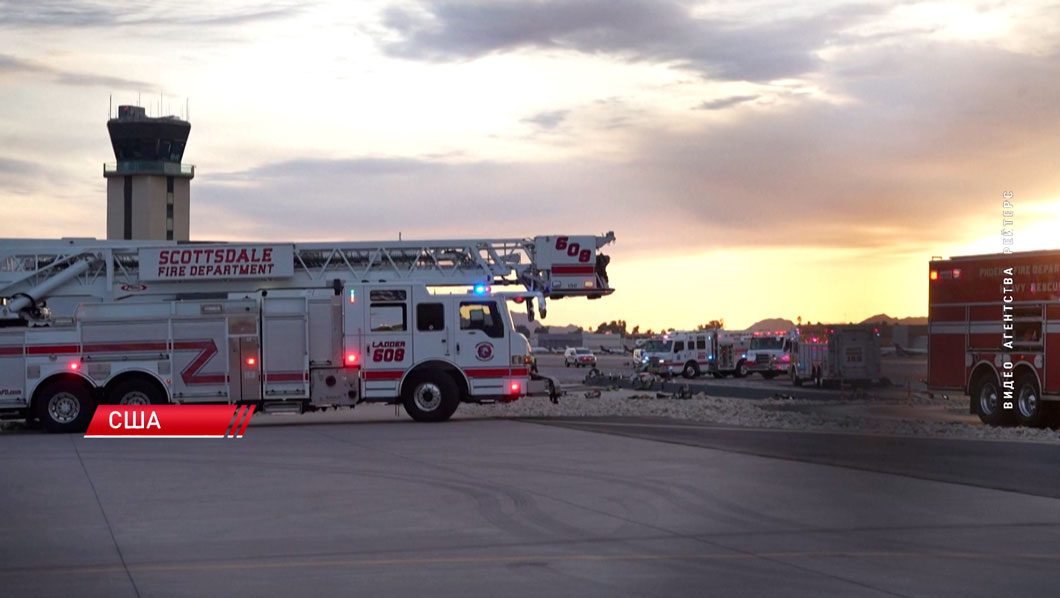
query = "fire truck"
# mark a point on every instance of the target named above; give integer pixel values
(842, 354)
(692, 354)
(288, 327)
(993, 322)
(769, 353)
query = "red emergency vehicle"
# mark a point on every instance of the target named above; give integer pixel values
(994, 326)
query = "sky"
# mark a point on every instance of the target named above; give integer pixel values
(755, 159)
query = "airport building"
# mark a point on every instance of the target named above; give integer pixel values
(148, 188)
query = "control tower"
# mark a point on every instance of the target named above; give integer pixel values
(148, 189)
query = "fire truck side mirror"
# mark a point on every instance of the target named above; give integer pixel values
(336, 285)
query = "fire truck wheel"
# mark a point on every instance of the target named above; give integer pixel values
(1030, 409)
(691, 370)
(430, 398)
(64, 406)
(741, 370)
(986, 400)
(134, 392)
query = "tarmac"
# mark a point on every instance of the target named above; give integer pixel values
(326, 505)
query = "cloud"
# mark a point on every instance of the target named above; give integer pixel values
(13, 65)
(547, 120)
(86, 13)
(633, 30)
(930, 136)
(722, 103)
(14, 167)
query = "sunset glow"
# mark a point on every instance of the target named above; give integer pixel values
(755, 160)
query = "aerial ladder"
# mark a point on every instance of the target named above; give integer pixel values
(42, 279)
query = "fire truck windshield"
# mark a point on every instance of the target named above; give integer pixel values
(765, 343)
(658, 346)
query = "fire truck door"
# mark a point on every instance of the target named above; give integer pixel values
(244, 359)
(432, 334)
(245, 365)
(387, 341)
(480, 347)
(726, 356)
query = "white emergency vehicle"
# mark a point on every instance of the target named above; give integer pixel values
(289, 327)
(770, 353)
(692, 354)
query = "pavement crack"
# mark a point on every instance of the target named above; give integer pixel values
(103, 512)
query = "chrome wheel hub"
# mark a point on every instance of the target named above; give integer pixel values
(427, 396)
(1027, 401)
(988, 399)
(64, 408)
(135, 397)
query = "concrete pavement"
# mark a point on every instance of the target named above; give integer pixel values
(504, 507)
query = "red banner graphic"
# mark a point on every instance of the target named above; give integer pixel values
(170, 421)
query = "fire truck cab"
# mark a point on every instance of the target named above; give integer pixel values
(770, 353)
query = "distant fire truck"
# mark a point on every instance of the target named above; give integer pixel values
(288, 327)
(770, 353)
(844, 354)
(692, 354)
(994, 333)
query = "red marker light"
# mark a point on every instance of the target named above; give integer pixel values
(515, 386)
(74, 366)
(251, 361)
(956, 272)
(351, 358)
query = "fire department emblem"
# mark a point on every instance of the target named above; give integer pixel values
(484, 351)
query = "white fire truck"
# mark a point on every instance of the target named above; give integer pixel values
(691, 354)
(994, 334)
(770, 353)
(288, 327)
(843, 354)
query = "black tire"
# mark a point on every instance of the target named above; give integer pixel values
(64, 406)
(691, 370)
(741, 370)
(430, 397)
(1030, 409)
(135, 392)
(986, 400)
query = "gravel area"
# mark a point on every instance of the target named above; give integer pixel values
(919, 415)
